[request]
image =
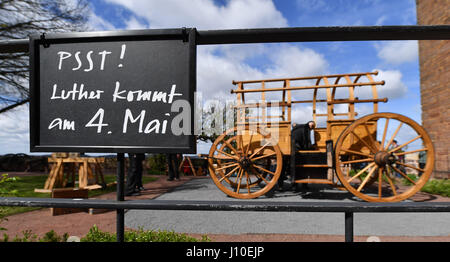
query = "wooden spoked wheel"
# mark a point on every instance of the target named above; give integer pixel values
(373, 167)
(245, 164)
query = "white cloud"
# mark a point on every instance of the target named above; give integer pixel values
(205, 14)
(398, 52)
(14, 132)
(216, 72)
(394, 86)
(292, 61)
(381, 20)
(97, 23)
(133, 23)
(313, 5)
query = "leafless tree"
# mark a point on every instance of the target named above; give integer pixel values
(19, 19)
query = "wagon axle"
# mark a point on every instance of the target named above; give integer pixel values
(245, 162)
(383, 158)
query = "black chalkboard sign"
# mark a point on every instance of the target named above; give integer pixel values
(123, 91)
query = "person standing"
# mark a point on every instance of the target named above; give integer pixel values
(422, 161)
(172, 167)
(134, 176)
(302, 135)
(139, 171)
(398, 158)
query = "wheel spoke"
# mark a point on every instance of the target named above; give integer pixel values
(376, 147)
(222, 157)
(410, 141)
(249, 143)
(240, 179)
(358, 161)
(263, 156)
(259, 175)
(364, 142)
(248, 181)
(265, 170)
(231, 147)
(229, 174)
(366, 179)
(384, 133)
(410, 166)
(390, 182)
(410, 152)
(228, 155)
(259, 150)
(225, 167)
(355, 152)
(380, 181)
(393, 136)
(403, 174)
(361, 172)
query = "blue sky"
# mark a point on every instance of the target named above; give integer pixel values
(397, 61)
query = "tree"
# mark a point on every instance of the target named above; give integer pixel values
(19, 19)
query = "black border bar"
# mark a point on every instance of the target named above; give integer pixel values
(288, 34)
(237, 205)
(319, 34)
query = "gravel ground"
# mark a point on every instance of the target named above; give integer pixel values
(242, 222)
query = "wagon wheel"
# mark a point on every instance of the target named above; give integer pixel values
(237, 163)
(382, 161)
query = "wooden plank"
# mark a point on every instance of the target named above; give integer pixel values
(303, 78)
(77, 160)
(92, 187)
(50, 175)
(374, 93)
(313, 181)
(320, 150)
(41, 190)
(54, 175)
(346, 101)
(305, 87)
(351, 96)
(312, 165)
(84, 178)
(194, 172)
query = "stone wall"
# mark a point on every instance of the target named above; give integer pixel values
(434, 58)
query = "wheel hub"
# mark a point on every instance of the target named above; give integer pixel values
(383, 158)
(245, 162)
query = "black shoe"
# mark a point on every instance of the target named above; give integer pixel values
(170, 179)
(141, 188)
(133, 194)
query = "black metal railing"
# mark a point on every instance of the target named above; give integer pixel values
(349, 208)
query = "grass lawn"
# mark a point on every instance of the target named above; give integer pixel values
(24, 187)
(438, 187)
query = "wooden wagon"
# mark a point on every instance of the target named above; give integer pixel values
(357, 154)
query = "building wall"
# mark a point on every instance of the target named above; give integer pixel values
(434, 59)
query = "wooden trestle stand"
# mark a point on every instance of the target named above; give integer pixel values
(64, 169)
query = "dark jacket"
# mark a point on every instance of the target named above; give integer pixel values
(301, 135)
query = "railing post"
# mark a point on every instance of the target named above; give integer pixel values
(120, 218)
(348, 226)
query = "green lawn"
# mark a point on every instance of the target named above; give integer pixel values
(24, 187)
(438, 187)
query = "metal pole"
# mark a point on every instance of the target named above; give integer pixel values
(348, 226)
(120, 221)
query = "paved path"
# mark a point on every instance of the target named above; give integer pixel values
(231, 222)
